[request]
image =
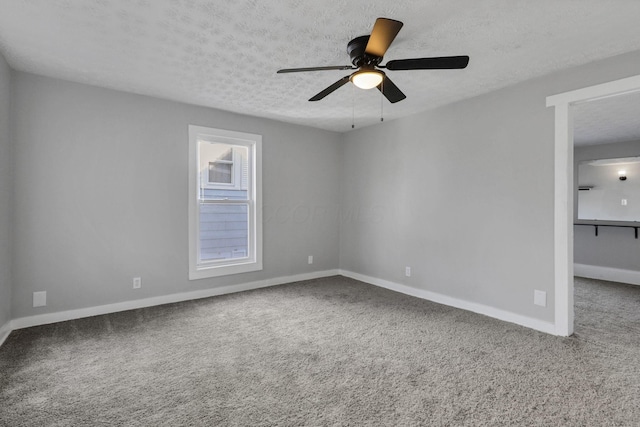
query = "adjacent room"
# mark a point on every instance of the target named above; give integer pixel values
(606, 256)
(319, 213)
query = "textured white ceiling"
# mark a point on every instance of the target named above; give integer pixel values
(225, 54)
(608, 120)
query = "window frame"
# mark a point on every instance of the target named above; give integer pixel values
(253, 261)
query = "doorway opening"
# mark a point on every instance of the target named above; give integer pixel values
(564, 191)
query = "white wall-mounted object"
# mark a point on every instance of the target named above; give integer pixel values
(540, 298)
(40, 299)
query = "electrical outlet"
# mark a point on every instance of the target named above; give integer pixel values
(310, 259)
(540, 298)
(407, 271)
(624, 202)
(40, 299)
(137, 282)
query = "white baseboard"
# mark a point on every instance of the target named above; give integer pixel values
(43, 319)
(607, 273)
(5, 330)
(61, 316)
(486, 310)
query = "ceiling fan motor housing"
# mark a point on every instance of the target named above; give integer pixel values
(356, 50)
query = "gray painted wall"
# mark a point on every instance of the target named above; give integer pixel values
(101, 195)
(613, 247)
(464, 194)
(6, 191)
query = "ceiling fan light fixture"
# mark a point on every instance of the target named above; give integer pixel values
(367, 78)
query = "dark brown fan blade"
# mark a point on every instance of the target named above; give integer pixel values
(332, 67)
(391, 91)
(440, 63)
(382, 35)
(330, 89)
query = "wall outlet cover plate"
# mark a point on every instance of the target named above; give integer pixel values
(540, 298)
(40, 299)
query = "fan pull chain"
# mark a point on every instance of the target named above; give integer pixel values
(382, 101)
(353, 107)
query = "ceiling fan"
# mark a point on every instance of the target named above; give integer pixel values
(366, 53)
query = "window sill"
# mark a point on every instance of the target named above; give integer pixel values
(204, 272)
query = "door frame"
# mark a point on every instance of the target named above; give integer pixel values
(564, 192)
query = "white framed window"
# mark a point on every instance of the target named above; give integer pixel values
(225, 193)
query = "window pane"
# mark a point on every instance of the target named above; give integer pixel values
(220, 173)
(224, 171)
(224, 231)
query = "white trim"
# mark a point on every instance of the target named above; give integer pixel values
(592, 93)
(486, 310)
(61, 316)
(620, 275)
(43, 319)
(563, 182)
(563, 221)
(5, 330)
